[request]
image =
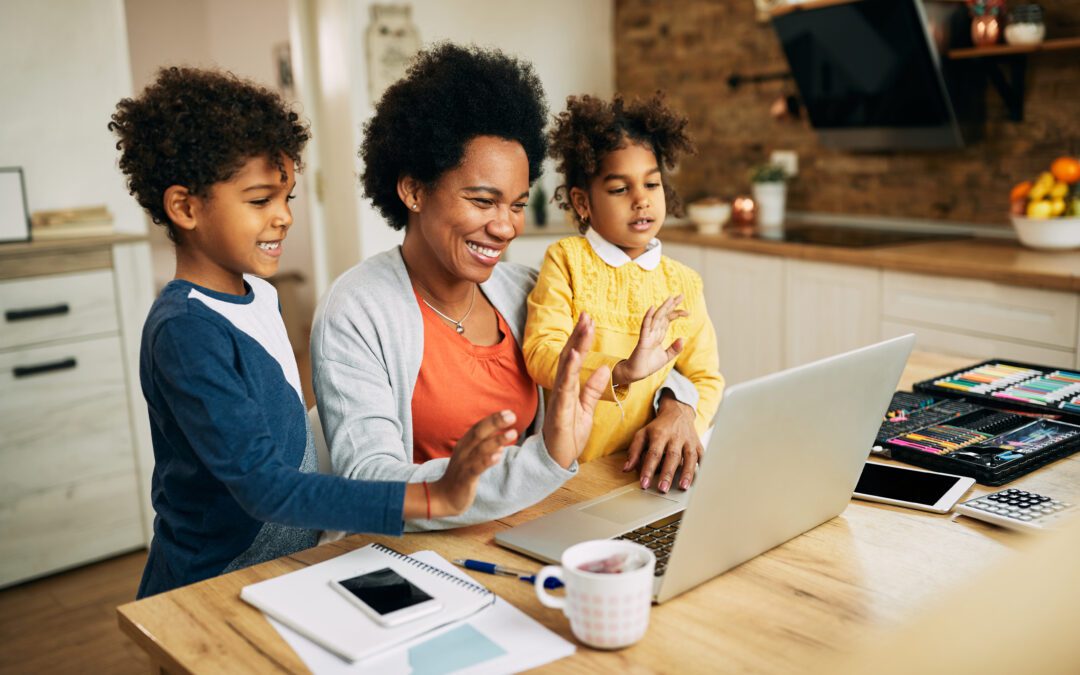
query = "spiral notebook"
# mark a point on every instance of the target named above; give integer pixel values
(304, 601)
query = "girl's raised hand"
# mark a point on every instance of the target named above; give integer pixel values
(650, 355)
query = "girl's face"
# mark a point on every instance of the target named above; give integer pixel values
(460, 228)
(625, 201)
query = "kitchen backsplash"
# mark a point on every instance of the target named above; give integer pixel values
(689, 48)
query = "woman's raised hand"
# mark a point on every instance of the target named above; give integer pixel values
(650, 355)
(570, 410)
(479, 449)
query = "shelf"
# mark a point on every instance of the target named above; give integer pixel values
(1005, 66)
(1009, 50)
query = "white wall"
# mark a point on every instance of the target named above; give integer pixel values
(63, 67)
(569, 42)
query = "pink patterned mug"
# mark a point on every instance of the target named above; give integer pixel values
(606, 610)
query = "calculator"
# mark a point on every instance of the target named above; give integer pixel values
(1018, 510)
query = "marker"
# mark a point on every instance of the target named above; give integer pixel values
(499, 570)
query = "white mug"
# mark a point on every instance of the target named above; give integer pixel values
(606, 611)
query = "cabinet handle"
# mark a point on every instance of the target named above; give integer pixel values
(36, 312)
(29, 371)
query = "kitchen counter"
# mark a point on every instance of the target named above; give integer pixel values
(1002, 261)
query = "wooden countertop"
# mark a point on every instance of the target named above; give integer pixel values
(21, 248)
(1001, 261)
(60, 256)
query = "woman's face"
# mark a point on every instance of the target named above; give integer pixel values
(463, 224)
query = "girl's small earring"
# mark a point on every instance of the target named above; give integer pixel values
(415, 207)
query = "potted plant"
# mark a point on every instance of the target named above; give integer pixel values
(769, 183)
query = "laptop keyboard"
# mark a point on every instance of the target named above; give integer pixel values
(658, 536)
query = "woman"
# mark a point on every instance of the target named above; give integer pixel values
(414, 345)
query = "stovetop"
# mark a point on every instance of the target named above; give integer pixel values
(855, 237)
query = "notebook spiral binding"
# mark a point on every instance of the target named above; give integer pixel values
(469, 585)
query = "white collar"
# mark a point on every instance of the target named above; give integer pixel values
(616, 257)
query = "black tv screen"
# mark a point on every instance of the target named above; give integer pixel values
(869, 75)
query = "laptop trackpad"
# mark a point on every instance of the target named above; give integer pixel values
(629, 506)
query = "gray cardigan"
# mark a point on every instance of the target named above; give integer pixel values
(366, 346)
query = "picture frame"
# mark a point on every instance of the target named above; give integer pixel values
(14, 211)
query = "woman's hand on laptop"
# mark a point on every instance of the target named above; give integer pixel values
(570, 411)
(665, 443)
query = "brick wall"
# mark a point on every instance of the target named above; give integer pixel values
(688, 48)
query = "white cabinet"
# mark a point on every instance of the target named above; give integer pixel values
(772, 312)
(745, 297)
(691, 256)
(70, 483)
(982, 319)
(829, 309)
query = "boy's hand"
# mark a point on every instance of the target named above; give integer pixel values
(649, 355)
(570, 410)
(479, 449)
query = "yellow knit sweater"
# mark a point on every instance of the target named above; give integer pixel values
(573, 279)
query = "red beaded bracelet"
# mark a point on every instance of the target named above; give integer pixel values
(427, 496)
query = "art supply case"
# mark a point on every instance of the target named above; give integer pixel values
(1012, 385)
(964, 437)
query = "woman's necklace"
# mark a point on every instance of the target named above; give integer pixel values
(457, 322)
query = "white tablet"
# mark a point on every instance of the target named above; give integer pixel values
(914, 488)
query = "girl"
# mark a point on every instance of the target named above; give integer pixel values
(613, 157)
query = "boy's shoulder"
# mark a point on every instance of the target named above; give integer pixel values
(189, 310)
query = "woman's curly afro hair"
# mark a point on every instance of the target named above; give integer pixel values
(194, 128)
(450, 95)
(590, 128)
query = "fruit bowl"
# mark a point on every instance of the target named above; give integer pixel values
(709, 215)
(1048, 233)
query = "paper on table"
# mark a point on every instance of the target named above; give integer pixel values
(501, 639)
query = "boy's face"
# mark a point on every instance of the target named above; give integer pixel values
(625, 202)
(239, 227)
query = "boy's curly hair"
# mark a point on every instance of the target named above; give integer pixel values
(590, 128)
(195, 127)
(450, 95)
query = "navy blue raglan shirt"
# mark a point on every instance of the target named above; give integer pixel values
(235, 477)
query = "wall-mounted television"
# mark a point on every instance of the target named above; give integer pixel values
(872, 77)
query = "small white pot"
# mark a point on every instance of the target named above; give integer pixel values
(770, 199)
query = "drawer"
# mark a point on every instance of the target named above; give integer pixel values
(65, 418)
(983, 308)
(57, 307)
(69, 525)
(977, 348)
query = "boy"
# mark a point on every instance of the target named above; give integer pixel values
(213, 159)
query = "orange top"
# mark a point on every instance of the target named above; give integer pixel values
(460, 383)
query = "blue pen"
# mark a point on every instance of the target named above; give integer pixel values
(499, 570)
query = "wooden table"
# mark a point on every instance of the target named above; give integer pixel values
(784, 611)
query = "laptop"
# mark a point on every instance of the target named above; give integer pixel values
(785, 454)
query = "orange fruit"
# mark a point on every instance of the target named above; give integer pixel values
(1066, 169)
(1020, 191)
